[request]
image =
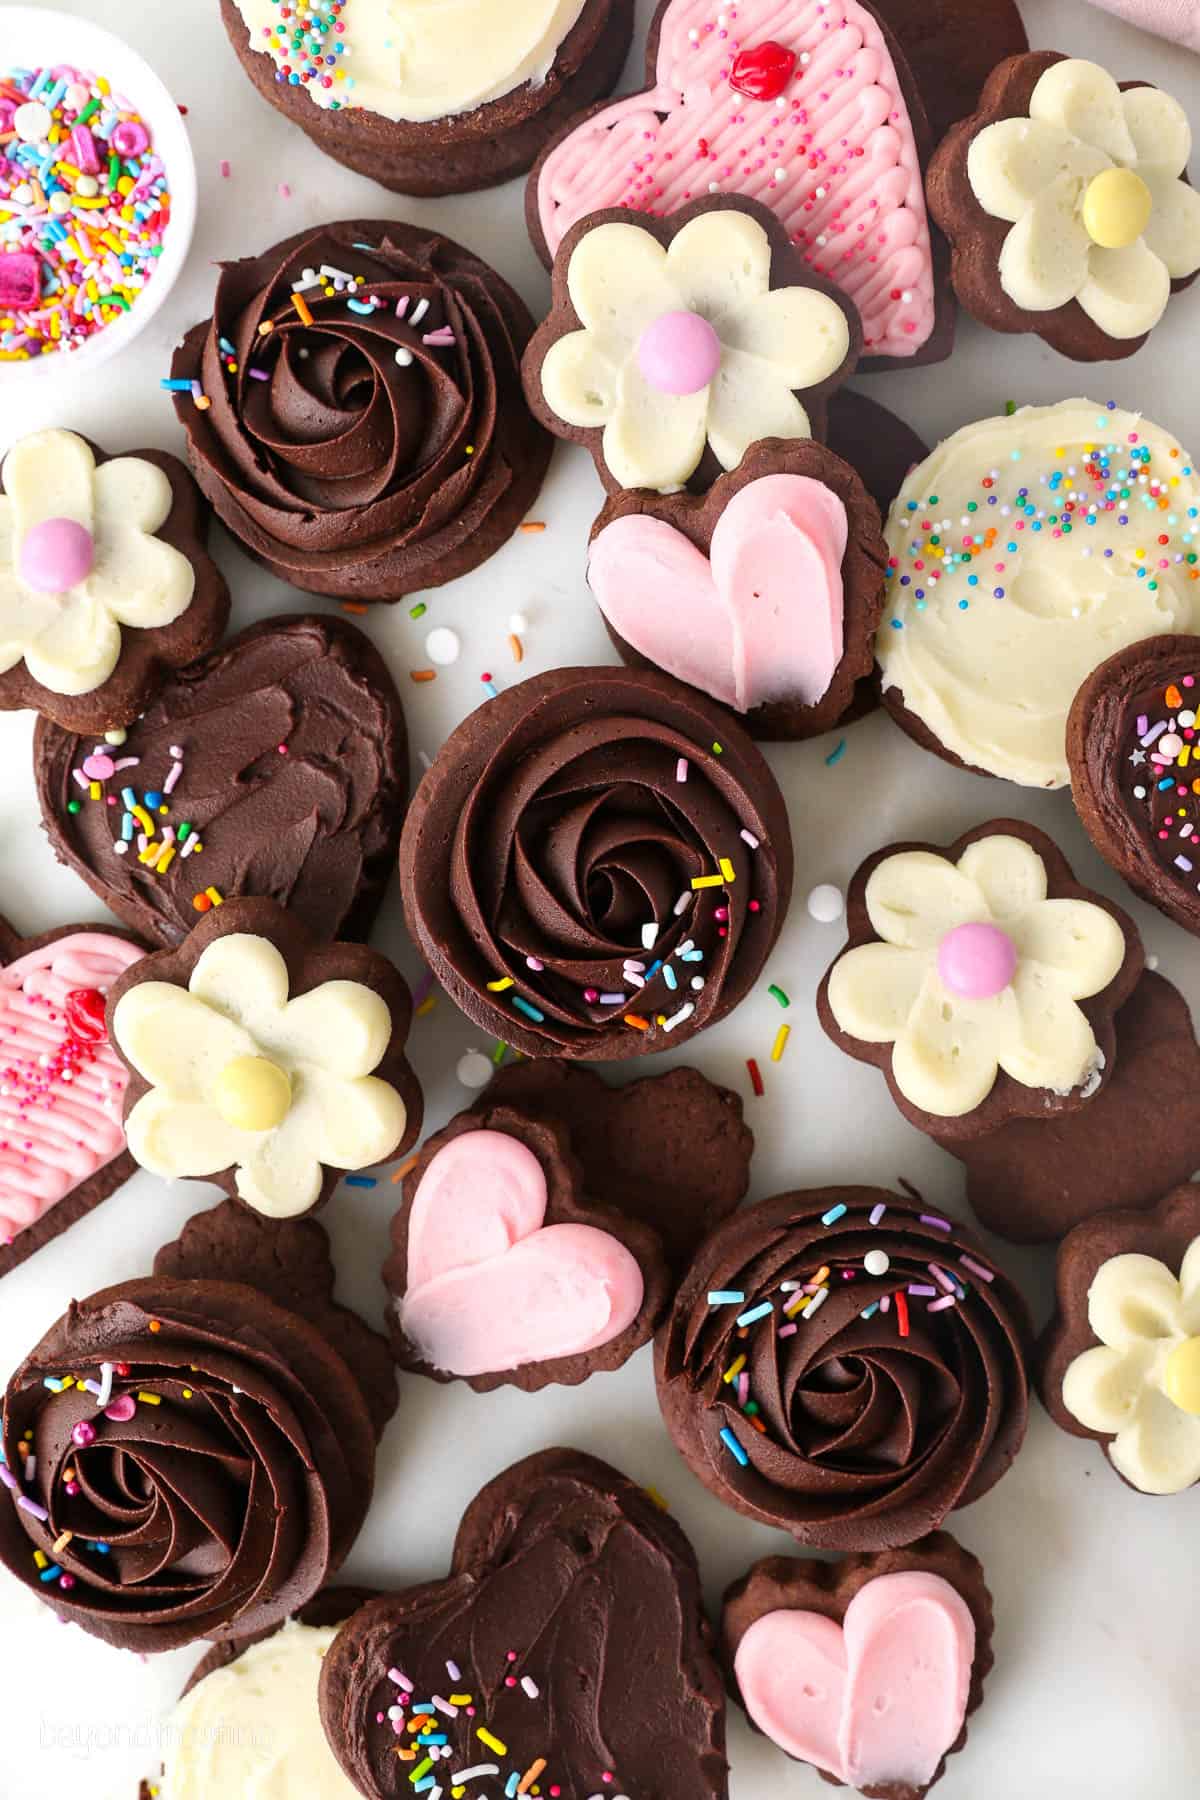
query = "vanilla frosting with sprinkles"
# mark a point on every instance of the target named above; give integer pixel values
(1024, 551)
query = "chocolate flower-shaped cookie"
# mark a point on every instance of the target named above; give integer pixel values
(981, 979)
(191, 1454)
(597, 865)
(105, 585)
(673, 346)
(846, 1367)
(495, 1203)
(764, 593)
(567, 1648)
(264, 1060)
(867, 1668)
(1121, 1358)
(365, 433)
(1066, 202)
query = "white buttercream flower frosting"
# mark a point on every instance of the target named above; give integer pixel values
(687, 347)
(976, 971)
(79, 559)
(1091, 182)
(1141, 1382)
(243, 1077)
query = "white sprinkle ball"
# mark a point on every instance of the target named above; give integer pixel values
(877, 1262)
(474, 1069)
(825, 903)
(443, 646)
(518, 624)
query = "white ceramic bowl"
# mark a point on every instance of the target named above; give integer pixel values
(31, 37)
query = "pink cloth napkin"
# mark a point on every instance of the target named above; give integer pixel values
(1175, 19)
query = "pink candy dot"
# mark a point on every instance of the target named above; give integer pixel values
(976, 961)
(121, 1409)
(679, 353)
(56, 555)
(130, 137)
(83, 1434)
(99, 768)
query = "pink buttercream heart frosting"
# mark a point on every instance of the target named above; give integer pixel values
(878, 1699)
(490, 1286)
(834, 154)
(760, 619)
(61, 1094)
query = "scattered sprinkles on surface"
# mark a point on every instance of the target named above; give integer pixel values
(84, 205)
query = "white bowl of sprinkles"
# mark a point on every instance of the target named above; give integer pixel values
(97, 194)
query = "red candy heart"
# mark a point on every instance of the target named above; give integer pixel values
(763, 72)
(85, 1015)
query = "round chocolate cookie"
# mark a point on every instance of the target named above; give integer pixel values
(468, 104)
(1131, 740)
(282, 758)
(204, 1457)
(597, 865)
(845, 1366)
(912, 1633)
(497, 1198)
(571, 1624)
(366, 433)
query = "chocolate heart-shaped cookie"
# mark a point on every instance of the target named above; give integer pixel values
(63, 1084)
(567, 1649)
(496, 1203)
(275, 766)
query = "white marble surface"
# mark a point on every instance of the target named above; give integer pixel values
(1094, 1691)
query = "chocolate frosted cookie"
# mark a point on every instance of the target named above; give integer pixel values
(107, 584)
(670, 1150)
(63, 1086)
(496, 1202)
(597, 865)
(867, 1669)
(1066, 202)
(566, 1649)
(244, 1694)
(459, 98)
(265, 1060)
(982, 979)
(845, 1366)
(1034, 1179)
(1131, 740)
(765, 593)
(276, 766)
(673, 345)
(365, 433)
(193, 1457)
(1120, 1360)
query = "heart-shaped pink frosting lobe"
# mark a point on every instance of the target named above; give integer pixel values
(880, 1699)
(761, 619)
(490, 1286)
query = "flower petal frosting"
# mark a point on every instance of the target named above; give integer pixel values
(952, 1037)
(1077, 235)
(79, 559)
(202, 1050)
(621, 281)
(1143, 1316)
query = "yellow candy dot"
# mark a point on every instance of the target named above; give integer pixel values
(1116, 208)
(252, 1094)
(1181, 1378)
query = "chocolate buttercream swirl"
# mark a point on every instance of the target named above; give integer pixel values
(595, 847)
(221, 1481)
(366, 433)
(293, 776)
(900, 1396)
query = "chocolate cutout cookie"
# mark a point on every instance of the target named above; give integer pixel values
(570, 1591)
(293, 778)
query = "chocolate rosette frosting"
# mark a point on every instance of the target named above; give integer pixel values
(366, 432)
(192, 1459)
(597, 865)
(897, 1397)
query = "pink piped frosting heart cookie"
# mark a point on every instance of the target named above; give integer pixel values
(801, 104)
